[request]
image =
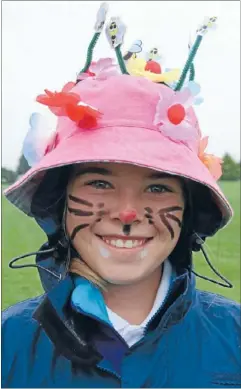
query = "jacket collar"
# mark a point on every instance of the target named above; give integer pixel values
(57, 317)
(179, 301)
(68, 333)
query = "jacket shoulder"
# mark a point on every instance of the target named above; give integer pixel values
(19, 330)
(209, 299)
(22, 310)
(19, 316)
(220, 309)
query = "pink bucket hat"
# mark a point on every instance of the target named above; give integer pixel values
(107, 116)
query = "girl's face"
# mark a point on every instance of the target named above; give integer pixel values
(123, 220)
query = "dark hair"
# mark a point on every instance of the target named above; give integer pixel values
(49, 198)
(201, 217)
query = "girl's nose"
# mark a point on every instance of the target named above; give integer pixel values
(127, 217)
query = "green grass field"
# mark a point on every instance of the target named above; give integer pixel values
(21, 234)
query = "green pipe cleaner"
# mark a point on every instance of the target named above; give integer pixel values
(192, 73)
(90, 52)
(189, 62)
(121, 60)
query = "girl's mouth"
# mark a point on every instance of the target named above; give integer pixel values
(125, 243)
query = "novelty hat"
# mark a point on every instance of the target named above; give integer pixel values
(136, 113)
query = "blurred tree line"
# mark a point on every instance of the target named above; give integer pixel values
(9, 176)
(231, 170)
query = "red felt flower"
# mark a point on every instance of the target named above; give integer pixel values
(67, 103)
(58, 99)
(84, 115)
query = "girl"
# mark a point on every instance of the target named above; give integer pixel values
(125, 193)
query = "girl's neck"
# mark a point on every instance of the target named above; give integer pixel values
(134, 302)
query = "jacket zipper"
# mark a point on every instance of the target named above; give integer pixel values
(110, 372)
(117, 335)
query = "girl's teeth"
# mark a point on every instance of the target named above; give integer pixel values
(118, 243)
(129, 244)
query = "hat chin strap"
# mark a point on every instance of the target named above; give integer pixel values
(199, 245)
(199, 242)
(63, 243)
(41, 252)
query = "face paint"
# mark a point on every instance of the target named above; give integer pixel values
(143, 253)
(149, 210)
(104, 252)
(80, 201)
(148, 215)
(102, 213)
(173, 217)
(127, 216)
(164, 214)
(82, 213)
(79, 212)
(126, 229)
(77, 229)
(112, 206)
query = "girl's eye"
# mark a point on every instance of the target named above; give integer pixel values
(99, 184)
(158, 189)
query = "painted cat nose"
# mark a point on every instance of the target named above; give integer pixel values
(127, 217)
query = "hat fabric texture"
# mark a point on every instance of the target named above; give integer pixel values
(131, 128)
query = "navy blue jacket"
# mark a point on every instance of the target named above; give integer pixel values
(192, 341)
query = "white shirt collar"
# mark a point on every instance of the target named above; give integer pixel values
(132, 332)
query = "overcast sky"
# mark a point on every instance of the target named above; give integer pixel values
(44, 45)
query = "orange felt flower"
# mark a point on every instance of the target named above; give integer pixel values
(213, 163)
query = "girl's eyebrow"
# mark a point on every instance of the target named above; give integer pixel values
(157, 175)
(94, 170)
(106, 172)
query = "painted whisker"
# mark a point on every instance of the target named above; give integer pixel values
(80, 201)
(168, 226)
(101, 213)
(170, 209)
(173, 217)
(79, 212)
(77, 229)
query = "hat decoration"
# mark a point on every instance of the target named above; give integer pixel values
(148, 66)
(40, 139)
(173, 112)
(172, 116)
(100, 70)
(67, 103)
(213, 163)
(99, 25)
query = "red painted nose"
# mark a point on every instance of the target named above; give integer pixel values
(127, 216)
